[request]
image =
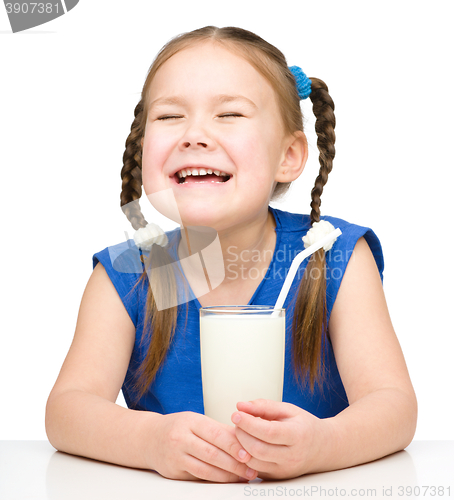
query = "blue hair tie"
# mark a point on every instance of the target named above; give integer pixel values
(303, 83)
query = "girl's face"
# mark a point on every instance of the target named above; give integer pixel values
(211, 111)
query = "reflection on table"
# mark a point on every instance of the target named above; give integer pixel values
(33, 469)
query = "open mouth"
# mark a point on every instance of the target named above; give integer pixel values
(201, 175)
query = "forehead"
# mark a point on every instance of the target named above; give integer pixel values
(208, 67)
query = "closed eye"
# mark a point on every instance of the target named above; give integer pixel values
(230, 115)
(169, 117)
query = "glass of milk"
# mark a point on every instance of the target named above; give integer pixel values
(242, 352)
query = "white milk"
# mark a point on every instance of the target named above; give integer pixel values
(242, 360)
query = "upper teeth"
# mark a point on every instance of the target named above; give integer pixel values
(200, 171)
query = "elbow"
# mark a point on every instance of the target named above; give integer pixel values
(51, 422)
(414, 418)
(410, 419)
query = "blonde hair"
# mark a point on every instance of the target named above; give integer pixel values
(309, 324)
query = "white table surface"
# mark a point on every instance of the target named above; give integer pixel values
(35, 470)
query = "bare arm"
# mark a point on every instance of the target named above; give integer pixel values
(286, 441)
(381, 418)
(83, 419)
(81, 415)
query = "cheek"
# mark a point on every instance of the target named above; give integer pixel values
(244, 147)
(156, 149)
(257, 155)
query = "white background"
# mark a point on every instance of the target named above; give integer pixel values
(67, 95)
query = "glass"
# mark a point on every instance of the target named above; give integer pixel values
(242, 354)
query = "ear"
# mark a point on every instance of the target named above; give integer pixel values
(294, 158)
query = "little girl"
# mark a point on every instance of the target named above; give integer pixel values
(219, 126)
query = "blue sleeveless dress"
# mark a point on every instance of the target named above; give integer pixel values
(178, 384)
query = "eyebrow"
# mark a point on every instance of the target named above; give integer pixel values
(168, 100)
(225, 98)
(221, 98)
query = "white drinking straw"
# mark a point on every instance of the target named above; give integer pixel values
(296, 264)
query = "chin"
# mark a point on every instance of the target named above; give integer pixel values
(201, 221)
(198, 214)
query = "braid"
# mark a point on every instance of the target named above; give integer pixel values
(309, 321)
(131, 173)
(157, 270)
(323, 107)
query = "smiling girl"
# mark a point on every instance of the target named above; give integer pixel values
(220, 125)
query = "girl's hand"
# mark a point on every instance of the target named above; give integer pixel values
(191, 446)
(283, 439)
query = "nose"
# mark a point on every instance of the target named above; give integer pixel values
(196, 137)
(188, 144)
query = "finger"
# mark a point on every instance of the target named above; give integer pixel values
(208, 472)
(267, 409)
(265, 456)
(273, 432)
(179, 475)
(211, 449)
(222, 436)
